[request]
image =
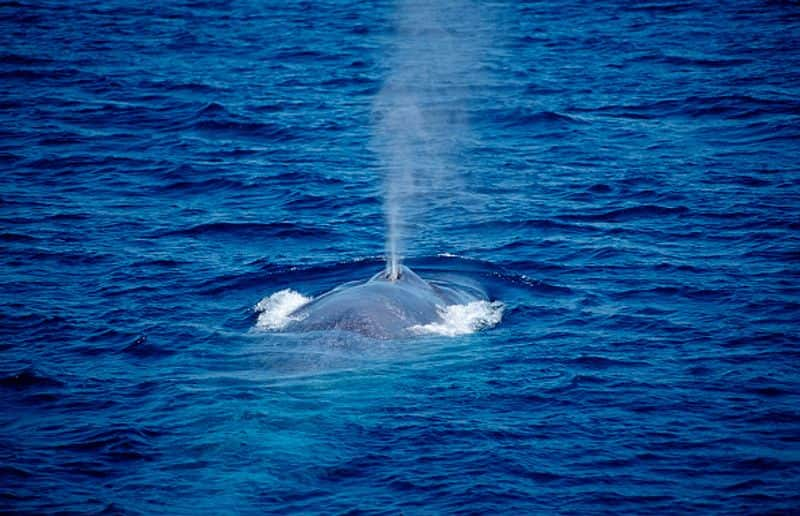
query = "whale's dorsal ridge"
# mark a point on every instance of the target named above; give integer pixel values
(381, 307)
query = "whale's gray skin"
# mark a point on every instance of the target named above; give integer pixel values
(382, 308)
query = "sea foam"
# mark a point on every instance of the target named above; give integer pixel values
(463, 319)
(275, 311)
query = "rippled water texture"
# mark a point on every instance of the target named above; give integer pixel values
(627, 185)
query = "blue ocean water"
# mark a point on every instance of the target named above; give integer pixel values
(629, 190)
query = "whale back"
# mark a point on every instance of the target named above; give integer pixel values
(379, 308)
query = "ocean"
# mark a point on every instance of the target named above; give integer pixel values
(620, 178)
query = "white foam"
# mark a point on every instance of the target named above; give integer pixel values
(463, 319)
(275, 311)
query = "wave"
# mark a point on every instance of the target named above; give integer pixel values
(733, 107)
(28, 378)
(630, 213)
(214, 184)
(39, 75)
(519, 225)
(17, 237)
(114, 443)
(252, 229)
(519, 117)
(600, 362)
(684, 61)
(20, 59)
(169, 85)
(217, 119)
(143, 348)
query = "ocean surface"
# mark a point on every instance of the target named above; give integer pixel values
(624, 181)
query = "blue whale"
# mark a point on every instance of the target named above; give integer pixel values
(384, 307)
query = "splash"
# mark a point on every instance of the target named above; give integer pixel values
(463, 319)
(277, 310)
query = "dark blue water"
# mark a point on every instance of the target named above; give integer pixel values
(630, 190)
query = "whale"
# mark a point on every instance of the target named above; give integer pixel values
(391, 304)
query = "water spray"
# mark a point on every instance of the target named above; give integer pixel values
(420, 116)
